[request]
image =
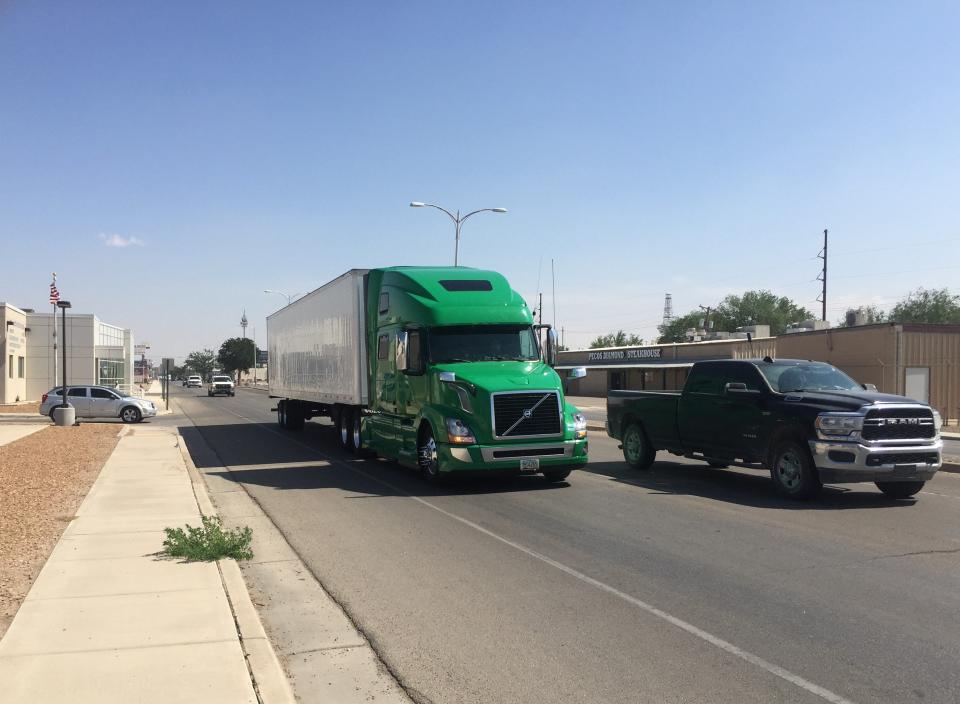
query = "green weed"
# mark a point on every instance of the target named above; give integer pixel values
(208, 542)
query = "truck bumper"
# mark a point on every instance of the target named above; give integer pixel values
(508, 459)
(841, 462)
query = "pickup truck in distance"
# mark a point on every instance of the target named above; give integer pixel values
(806, 422)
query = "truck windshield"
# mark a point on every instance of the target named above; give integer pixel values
(807, 377)
(483, 343)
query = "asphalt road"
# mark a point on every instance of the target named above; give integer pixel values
(681, 584)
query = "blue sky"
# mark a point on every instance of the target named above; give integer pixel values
(695, 148)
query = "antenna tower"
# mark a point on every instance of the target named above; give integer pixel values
(667, 309)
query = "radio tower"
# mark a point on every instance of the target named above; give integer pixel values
(667, 309)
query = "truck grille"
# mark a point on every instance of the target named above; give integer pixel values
(898, 424)
(900, 458)
(517, 415)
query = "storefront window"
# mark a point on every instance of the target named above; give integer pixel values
(110, 372)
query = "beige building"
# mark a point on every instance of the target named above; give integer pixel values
(914, 360)
(13, 354)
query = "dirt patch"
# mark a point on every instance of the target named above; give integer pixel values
(44, 477)
(33, 407)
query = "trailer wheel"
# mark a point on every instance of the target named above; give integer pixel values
(295, 419)
(637, 451)
(356, 420)
(282, 414)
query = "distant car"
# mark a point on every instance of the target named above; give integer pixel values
(194, 381)
(99, 402)
(220, 384)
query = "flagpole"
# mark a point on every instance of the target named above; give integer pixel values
(54, 304)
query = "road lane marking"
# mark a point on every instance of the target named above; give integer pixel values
(706, 636)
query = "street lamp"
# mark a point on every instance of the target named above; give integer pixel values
(288, 296)
(457, 221)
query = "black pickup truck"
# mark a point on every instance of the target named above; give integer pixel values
(807, 422)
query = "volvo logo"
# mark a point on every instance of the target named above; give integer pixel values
(528, 413)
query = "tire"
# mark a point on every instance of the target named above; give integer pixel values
(282, 414)
(131, 414)
(793, 472)
(295, 419)
(427, 457)
(717, 464)
(233, 393)
(900, 490)
(210, 394)
(356, 422)
(637, 451)
(557, 475)
(345, 428)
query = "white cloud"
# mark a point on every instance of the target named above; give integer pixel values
(120, 240)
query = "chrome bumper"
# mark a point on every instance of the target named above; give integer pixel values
(522, 452)
(848, 461)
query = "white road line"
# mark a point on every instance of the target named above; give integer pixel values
(726, 646)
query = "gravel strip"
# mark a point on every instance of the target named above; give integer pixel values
(21, 407)
(44, 477)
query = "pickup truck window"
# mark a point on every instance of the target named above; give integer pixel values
(705, 379)
(482, 343)
(813, 376)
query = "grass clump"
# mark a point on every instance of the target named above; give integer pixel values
(208, 542)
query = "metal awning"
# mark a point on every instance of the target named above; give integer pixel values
(635, 365)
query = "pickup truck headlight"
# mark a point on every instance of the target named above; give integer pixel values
(937, 421)
(459, 432)
(579, 426)
(839, 424)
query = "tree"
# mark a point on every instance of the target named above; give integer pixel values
(923, 306)
(759, 308)
(201, 362)
(676, 331)
(237, 355)
(616, 339)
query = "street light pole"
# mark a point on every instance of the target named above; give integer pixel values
(288, 296)
(457, 221)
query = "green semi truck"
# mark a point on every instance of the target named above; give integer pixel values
(439, 368)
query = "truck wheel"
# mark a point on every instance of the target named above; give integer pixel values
(637, 451)
(345, 427)
(282, 414)
(427, 457)
(295, 419)
(557, 475)
(356, 419)
(793, 472)
(900, 490)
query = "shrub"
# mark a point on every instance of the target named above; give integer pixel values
(208, 542)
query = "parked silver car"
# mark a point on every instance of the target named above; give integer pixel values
(100, 402)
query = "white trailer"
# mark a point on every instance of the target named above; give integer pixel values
(317, 344)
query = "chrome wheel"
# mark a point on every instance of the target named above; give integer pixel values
(357, 418)
(789, 470)
(345, 428)
(130, 415)
(428, 458)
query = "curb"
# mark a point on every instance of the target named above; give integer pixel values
(269, 679)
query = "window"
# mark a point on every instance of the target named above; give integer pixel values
(20, 367)
(78, 391)
(383, 346)
(384, 302)
(705, 379)
(743, 373)
(414, 352)
(466, 284)
(102, 393)
(483, 343)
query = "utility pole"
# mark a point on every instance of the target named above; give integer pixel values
(706, 319)
(823, 277)
(540, 310)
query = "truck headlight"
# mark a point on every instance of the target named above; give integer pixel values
(459, 432)
(837, 424)
(579, 426)
(937, 421)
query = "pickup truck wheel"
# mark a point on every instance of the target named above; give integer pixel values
(428, 458)
(637, 451)
(900, 490)
(793, 472)
(557, 475)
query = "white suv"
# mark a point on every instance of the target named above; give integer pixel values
(194, 381)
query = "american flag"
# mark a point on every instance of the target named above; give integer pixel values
(54, 293)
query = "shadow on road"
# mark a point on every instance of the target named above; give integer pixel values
(744, 487)
(234, 452)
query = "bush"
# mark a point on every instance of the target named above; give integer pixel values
(208, 542)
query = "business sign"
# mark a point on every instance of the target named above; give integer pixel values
(141, 349)
(261, 356)
(630, 354)
(167, 363)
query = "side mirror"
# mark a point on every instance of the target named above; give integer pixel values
(577, 373)
(869, 387)
(550, 348)
(401, 351)
(738, 388)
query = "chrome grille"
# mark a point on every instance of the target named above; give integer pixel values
(526, 414)
(898, 424)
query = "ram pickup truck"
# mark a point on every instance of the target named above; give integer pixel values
(806, 422)
(221, 385)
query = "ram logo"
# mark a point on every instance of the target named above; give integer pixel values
(902, 421)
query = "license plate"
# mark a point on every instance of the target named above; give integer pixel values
(530, 464)
(904, 470)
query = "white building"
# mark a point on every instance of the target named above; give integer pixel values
(13, 354)
(97, 352)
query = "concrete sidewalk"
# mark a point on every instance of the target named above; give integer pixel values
(10, 432)
(109, 620)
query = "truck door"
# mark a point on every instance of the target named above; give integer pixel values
(411, 391)
(742, 418)
(383, 422)
(698, 409)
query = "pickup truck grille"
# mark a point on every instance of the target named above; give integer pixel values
(898, 424)
(517, 415)
(901, 458)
